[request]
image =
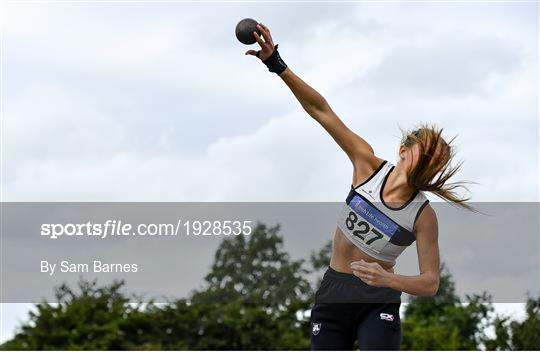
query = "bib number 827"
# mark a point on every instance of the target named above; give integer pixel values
(362, 228)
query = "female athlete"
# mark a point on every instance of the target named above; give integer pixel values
(386, 211)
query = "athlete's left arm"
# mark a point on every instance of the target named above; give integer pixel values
(427, 282)
(424, 284)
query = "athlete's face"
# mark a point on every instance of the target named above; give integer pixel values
(409, 155)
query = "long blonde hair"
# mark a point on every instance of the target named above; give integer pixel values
(433, 169)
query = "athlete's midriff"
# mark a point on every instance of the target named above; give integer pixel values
(344, 252)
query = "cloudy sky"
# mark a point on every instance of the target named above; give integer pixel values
(156, 101)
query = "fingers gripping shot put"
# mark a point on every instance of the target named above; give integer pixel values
(385, 211)
(244, 31)
(268, 54)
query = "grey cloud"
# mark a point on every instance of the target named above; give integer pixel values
(456, 65)
(144, 91)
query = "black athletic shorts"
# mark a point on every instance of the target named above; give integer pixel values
(347, 310)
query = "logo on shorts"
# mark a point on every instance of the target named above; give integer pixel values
(387, 316)
(316, 328)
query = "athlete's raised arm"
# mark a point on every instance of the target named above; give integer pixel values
(316, 106)
(357, 149)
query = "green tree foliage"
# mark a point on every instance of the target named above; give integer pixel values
(442, 322)
(232, 326)
(516, 335)
(319, 261)
(526, 335)
(255, 270)
(88, 319)
(256, 298)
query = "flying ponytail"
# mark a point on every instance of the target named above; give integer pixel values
(433, 168)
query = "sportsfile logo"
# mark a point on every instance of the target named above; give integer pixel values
(387, 316)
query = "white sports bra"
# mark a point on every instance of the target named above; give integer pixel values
(379, 230)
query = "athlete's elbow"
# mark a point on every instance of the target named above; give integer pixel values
(317, 108)
(432, 286)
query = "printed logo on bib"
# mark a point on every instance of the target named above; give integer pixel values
(367, 224)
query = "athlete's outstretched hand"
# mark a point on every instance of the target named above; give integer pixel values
(372, 273)
(267, 45)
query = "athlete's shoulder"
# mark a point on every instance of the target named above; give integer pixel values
(426, 218)
(371, 162)
(365, 169)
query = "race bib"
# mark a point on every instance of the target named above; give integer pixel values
(366, 225)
